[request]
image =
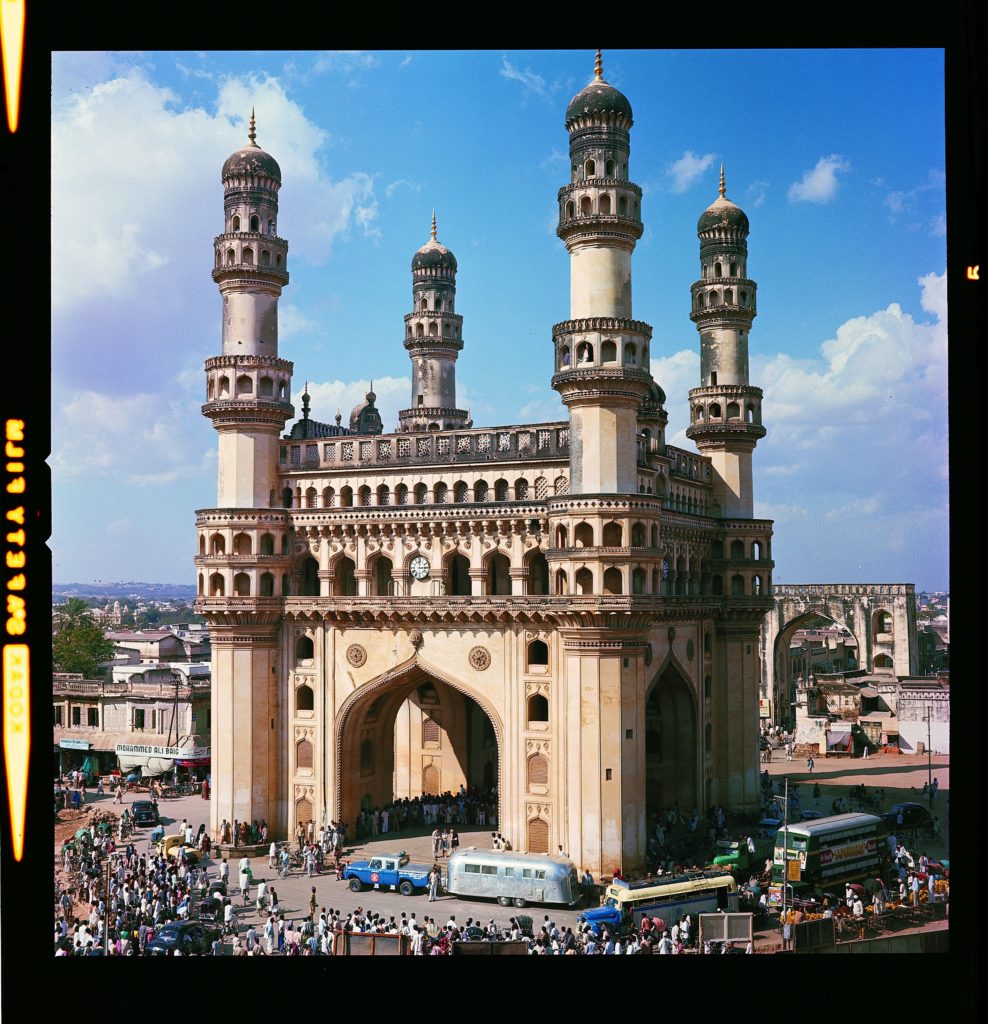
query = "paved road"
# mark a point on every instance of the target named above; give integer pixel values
(901, 776)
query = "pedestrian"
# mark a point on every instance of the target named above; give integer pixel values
(809, 764)
(313, 904)
(434, 883)
(273, 855)
(914, 889)
(936, 789)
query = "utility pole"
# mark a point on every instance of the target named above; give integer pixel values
(929, 755)
(785, 849)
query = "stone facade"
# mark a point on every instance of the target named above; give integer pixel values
(567, 611)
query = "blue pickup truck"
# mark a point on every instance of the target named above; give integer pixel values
(388, 871)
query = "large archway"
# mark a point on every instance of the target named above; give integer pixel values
(413, 732)
(810, 643)
(670, 745)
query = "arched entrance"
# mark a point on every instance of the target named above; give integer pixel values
(411, 732)
(810, 643)
(670, 745)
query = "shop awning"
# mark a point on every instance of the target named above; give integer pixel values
(868, 691)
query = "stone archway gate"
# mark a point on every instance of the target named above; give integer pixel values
(849, 604)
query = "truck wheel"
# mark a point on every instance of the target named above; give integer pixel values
(356, 885)
(505, 901)
(519, 902)
(406, 888)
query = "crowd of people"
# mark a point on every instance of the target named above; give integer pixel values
(108, 896)
(470, 806)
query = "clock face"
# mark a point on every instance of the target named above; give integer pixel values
(419, 568)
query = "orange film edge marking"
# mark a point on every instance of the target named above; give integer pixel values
(16, 736)
(12, 43)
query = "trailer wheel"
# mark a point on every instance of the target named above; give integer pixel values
(356, 885)
(406, 888)
(505, 901)
(519, 902)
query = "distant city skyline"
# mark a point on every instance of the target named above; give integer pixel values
(837, 157)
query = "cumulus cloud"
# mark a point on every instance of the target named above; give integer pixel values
(130, 260)
(532, 83)
(143, 439)
(819, 184)
(687, 169)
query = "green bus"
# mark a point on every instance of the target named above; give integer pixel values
(823, 854)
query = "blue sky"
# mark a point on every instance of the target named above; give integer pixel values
(837, 156)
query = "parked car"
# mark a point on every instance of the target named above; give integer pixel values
(913, 816)
(144, 813)
(190, 937)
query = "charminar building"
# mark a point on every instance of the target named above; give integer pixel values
(567, 611)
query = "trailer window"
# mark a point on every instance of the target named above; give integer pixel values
(488, 869)
(540, 874)
(472, 869)
(509, 872)
(526, 872)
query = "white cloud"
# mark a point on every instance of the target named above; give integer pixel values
(819, 185)
(856, 508)
(143, 439)
(393, 393)
(392, 188)
(292, 321)
(756, 192)
(687, 169)
(532, 82)
(938, 226)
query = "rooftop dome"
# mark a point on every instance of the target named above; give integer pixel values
(722, 213)
(433, 253)
(251, 160)
(598, 98)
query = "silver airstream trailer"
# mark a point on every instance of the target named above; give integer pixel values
(512, 878)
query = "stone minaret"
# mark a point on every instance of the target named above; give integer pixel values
(248, 385)
(247, 390)
(433, 337)
(725, 411)
(601, 353)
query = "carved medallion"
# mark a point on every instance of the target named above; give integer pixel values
(356, 655)
(480, 658)
(415, 638)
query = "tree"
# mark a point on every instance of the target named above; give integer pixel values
(79, 644)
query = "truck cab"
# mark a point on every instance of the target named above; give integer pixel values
(388, 871)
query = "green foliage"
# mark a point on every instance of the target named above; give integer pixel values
(79, 644)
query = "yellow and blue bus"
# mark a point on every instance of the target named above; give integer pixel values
(667, 897)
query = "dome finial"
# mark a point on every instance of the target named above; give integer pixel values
(252, 134)
(723, 187)
(339, 416)
(433, 224)
(598, 68)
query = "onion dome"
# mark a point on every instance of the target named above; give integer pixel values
(365, 419)
(722, 213)
(598, 98)
(251, 160)
(433, 253)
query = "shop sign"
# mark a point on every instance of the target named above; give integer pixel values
(74, 744)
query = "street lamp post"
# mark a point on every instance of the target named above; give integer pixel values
(785, 850)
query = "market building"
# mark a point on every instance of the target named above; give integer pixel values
(152, 719)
